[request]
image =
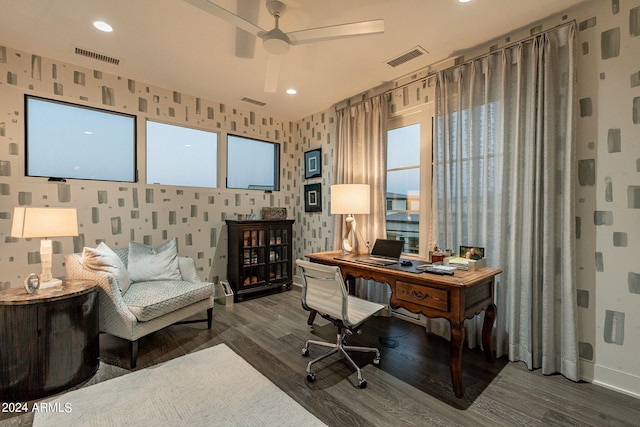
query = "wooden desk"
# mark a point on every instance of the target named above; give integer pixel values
(454, 298)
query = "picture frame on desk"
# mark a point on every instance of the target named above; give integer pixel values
(475, 252)
(313, 197)
(313, 163)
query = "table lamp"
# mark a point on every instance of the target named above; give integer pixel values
(45, 223)
(350, 199)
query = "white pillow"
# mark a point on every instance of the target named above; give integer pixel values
(103, 258)
(146, 263)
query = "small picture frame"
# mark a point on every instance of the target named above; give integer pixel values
(471, 252)
(313, 198)
(313, 163)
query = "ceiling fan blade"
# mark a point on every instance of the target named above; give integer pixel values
(272, 73)
(337, 31)
(246, 41)
(230, 17)
(245, 44)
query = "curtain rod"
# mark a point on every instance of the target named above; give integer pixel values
(486, 55)
(364, 95)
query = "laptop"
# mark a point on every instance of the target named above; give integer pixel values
(384, 252)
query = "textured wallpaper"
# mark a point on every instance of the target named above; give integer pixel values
(119, 212)
(607, 182)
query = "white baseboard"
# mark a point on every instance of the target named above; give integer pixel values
(297, 281)
(586, 370)
(622, 382)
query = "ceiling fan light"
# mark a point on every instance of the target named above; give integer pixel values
(276, 42)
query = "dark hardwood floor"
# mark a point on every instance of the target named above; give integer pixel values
(412, 387)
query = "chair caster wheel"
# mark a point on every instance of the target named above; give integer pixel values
(376, 361)
(311, 377)
(305, 352)
(362, 384)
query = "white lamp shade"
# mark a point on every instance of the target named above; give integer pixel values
(44, 222)
(350, 199)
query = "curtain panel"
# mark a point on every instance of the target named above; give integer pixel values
(361, 158)
(504, 177)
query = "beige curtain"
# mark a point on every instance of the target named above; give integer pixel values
(504, 180)
(360, 158)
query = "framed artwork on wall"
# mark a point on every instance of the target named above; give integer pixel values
(312, 163)
(313, 198)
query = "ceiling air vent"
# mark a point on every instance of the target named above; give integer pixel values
(95, 55)
(407, 56)
(253, 101)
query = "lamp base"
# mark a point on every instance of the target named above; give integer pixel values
(50, 283)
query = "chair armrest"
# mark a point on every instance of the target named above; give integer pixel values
(115, 317)
(188, 269)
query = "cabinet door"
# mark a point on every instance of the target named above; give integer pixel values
(279, 253)
(19, 354)
(68, 341)
(254, 257)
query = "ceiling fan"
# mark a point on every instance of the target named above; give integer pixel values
(276, 42)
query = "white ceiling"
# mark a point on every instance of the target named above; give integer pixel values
(172, 44)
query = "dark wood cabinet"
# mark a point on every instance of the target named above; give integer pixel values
(49, 339)
(260, 255)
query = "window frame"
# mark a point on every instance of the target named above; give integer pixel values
(277, 164)
(146, 154)
(424, 116)
(30, 172)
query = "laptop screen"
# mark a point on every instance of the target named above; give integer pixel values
(387, 248)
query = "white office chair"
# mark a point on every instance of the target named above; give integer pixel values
(324, 292)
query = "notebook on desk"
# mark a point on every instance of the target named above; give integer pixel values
(384, 252)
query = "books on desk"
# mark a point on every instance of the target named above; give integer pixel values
(465, 263)
(437, 269)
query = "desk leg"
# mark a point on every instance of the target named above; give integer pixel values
(487, 329)
(455, 357)
(350, 283)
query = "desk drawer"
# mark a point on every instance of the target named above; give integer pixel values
(423, 295)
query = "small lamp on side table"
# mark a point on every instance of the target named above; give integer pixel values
(350, 199)
(45, 223)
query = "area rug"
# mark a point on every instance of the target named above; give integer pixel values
(211, 387)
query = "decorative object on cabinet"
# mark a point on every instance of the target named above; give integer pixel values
(273, 213)
(313, 198)
(313, 163)
(45, 223)
(260, 256)
(32, 283)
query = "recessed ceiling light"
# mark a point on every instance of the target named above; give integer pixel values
(102, 26)
(292, 91)
(464, 1)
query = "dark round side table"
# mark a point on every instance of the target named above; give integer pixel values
(49, 339)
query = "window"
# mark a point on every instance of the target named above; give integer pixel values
(408, 194)
(252, 164)
(66, 140)
(178, 155)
